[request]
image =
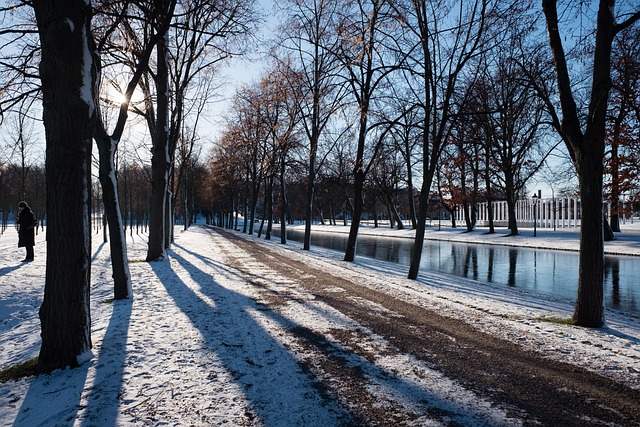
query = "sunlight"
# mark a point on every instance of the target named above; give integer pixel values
(117, 97)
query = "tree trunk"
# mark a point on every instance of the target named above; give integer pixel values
(412, 205)
(467, 215)
(283, 202)
(269, 199)
(418, 241)
(614, 201)
(589, 308)
(396, 215)
(511, 213)
(487, 183)
(245, 213)
(107, 175)
(68, 75)
(159, 159)
(587, 152)
(309, 201)
(511, 202)
(358, 203)
(313, 150)
(255, 190)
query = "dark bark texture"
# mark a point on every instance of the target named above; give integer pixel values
(67, 72)
(159, 159)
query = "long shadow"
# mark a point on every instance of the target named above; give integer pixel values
(102, 401)
(234, 335)
(411, 391)
(60, 390)
(97, 251)
(63, 390)
(246, 276)
(616, 333)
(7, 270)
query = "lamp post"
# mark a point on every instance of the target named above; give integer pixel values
(535, 208)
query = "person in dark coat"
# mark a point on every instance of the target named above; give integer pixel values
(26, 232)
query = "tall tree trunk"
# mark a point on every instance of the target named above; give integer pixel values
(269, 199)
(68, 75)
(467, 215)
(511, 214)
(255, 193)
(418, 241)
(313, 151)
(423, 200)
(487, 183)
(614, 201)
(159, 159)
(589, 308)
(107, 175)
(245, 213)
(358, 203)
(310, 193)
(511, 202)
(283, 202)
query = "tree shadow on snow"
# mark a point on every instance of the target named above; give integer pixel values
(254, 358)
(246, 332)
(56, 398)
(103, 396)
(52, 399)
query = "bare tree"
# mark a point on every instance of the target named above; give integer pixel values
(310, 41)
(514, 124)
(107, 143)
(585, 139)
(21, 144)
(406, 138)
(444, 37)
(248, 127)
(205, 34)
(623, 129)
(281, 90)
(367, 60)
(385, 176)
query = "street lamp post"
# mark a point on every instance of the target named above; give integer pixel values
(535, 208)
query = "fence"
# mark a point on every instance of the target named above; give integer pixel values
(549, 213)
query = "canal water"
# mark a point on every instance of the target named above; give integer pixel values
(548, 272)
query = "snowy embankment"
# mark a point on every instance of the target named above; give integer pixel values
(179, 352)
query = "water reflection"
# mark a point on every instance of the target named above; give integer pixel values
(547, 272)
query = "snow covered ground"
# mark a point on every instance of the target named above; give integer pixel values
(193, 348)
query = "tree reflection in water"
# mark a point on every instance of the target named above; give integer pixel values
(548, 272)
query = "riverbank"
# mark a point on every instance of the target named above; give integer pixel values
(627, 242)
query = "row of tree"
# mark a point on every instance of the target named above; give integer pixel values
(370, 94)
(469, 97)
(85, 61)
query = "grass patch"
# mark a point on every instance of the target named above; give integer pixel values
(557, 320)
(14, 373)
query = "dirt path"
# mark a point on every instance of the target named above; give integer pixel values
(530, 389)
